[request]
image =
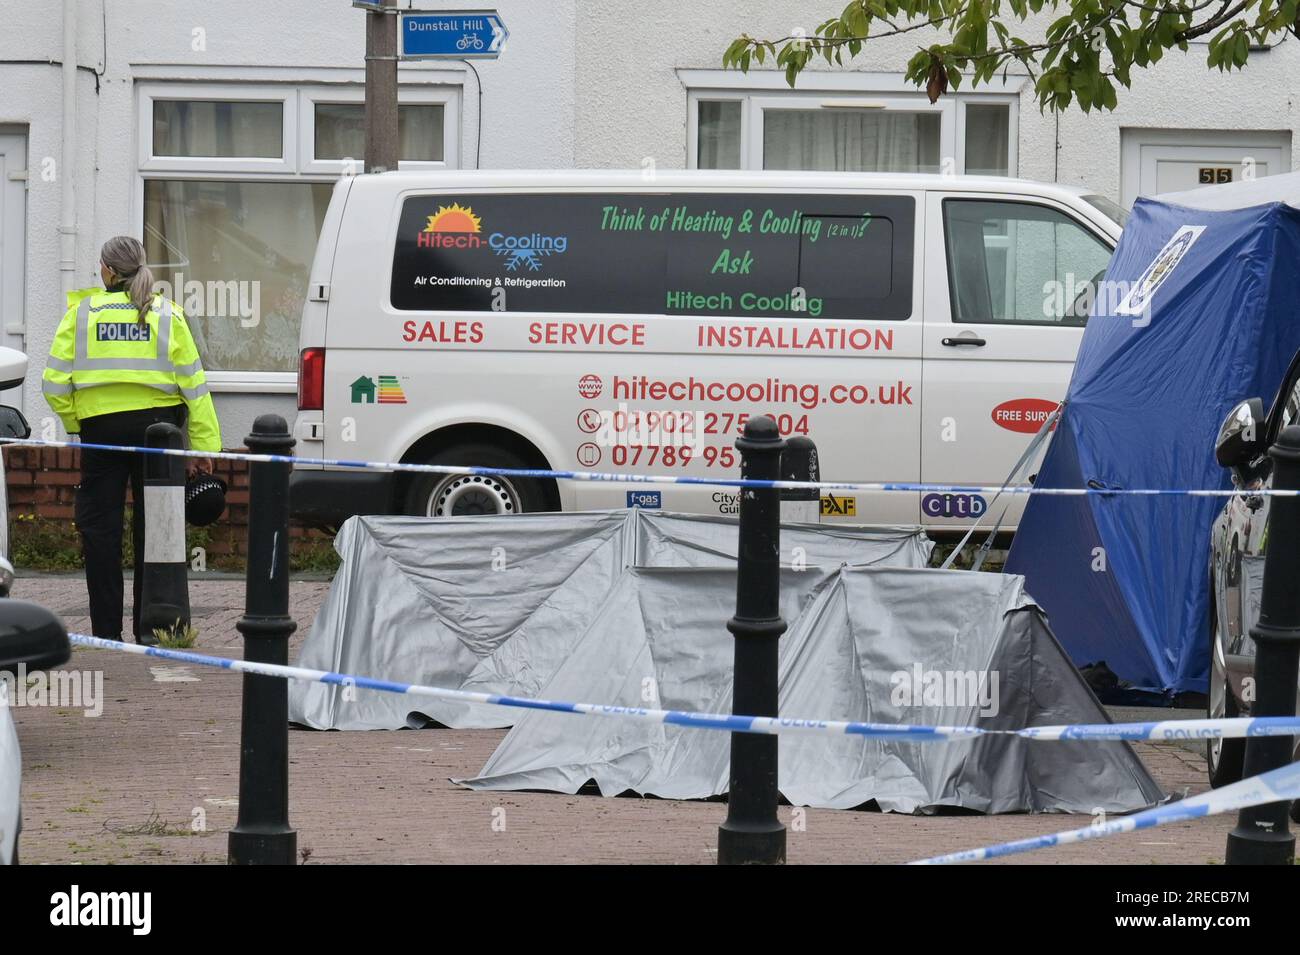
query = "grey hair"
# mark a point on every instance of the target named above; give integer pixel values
(124, 256)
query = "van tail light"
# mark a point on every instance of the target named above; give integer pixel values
(311, 379)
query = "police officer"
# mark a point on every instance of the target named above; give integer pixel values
(123, 358)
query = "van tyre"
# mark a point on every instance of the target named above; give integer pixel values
(464, 495)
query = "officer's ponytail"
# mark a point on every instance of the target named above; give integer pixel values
(124, 256)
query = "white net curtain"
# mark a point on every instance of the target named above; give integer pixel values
(851, 140)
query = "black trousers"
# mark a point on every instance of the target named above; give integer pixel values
(101, 503)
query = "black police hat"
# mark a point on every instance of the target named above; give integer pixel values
(205, 499)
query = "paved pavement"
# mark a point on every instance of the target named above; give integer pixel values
(155, 779)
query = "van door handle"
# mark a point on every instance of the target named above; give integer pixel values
(977, 342)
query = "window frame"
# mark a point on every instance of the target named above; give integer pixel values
(296, 164)
(894, 95)
(309, 96)
(757, 106)
(1100, 238)
(207, 92)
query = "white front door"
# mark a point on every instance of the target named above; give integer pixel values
(998, 342)
(1159, 161)
(13, 254)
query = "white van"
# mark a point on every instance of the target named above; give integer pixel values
(917, 327)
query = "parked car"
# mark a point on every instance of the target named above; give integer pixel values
(614, 321)
(29, 635)
(32, 638)
(1237, 546)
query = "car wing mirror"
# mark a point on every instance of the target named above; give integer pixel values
(13, 424)
(1241, 437)
(32, 637)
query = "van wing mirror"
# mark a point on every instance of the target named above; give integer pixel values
(1241, 437)
(31, 637)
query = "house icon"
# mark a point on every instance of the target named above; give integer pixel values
(363, 391)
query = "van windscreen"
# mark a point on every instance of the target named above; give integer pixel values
(776, 256)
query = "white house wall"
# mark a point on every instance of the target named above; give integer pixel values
(582, 83)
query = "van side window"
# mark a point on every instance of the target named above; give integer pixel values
(1018, 263)
(705, 254)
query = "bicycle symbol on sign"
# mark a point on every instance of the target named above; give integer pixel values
(470, 41)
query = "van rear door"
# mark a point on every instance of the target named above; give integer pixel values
(309, 425)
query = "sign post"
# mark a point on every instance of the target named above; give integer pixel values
(381, 85)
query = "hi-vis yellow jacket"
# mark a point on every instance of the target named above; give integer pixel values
(104, 361)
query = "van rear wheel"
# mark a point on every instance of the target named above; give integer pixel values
(464, 495)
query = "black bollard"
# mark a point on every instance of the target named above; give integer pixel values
(164, 584)
(1262, 836)
(262, 835)
(799, 463)
(752, 834)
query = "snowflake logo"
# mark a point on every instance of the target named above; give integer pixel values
(526, 258)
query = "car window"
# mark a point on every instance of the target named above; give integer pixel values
(1290, 408)
(1019, 263)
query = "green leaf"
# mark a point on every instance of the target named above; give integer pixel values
(1241, 49)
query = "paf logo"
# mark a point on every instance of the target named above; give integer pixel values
(832, 506)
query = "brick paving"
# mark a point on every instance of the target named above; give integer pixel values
(131, 785)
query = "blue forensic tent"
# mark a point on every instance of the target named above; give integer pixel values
(1201, 310)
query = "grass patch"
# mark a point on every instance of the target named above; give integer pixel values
(179, 636)
(53, 545)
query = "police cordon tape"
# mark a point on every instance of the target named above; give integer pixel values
(614, 477)
(1276, 785)
(1225, 728)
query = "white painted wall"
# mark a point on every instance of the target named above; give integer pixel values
(581, 83)
(527, 104)
(631, 103)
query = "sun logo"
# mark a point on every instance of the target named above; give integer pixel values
(454, 218)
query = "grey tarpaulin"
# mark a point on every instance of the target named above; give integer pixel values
(857, 637)
(495, 604)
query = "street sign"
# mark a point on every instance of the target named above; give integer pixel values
(456, 36)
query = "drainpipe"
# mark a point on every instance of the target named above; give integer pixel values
(68, 200)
